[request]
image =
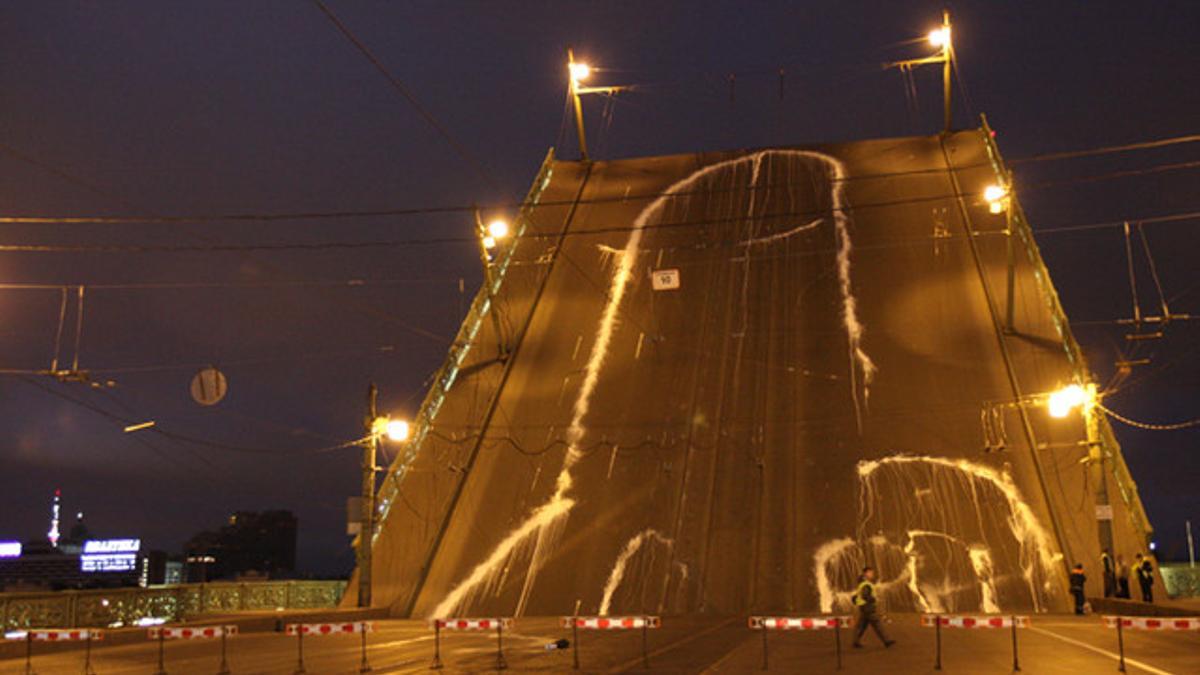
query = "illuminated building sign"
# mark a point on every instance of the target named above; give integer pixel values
(10, 549)
(108, 562)
(110, 555)
(112, 546)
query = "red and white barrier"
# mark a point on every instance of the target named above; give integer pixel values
(610, 622)
(800, 623)
(472, 624)
(56, 635)
(643, 623)
(192, 632)
(86, 635)
(960, 621)
(1012, 622)
(346, 628)
(498, 624)
(331, 628)
(797, 623)
(1148, 623)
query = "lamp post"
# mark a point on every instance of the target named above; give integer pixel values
(578, 72)
(940, 38)
(490, 236)
(1086, 398)
(377, 426)
(999, 200)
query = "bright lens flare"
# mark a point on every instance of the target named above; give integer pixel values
(940, 37)
(580, 71)
(996, 197)
(994, 193)
(1062, 401)
(397, 430)
(498, 229)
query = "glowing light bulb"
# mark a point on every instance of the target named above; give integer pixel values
(1062, 401)
(497, 229)
(489, 242)
(580, 71)
(397, 430)
(940, 37)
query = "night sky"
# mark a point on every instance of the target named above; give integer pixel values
(202, 108)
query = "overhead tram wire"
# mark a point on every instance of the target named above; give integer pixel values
(593, 231)
(1149, 426)
(1106, 150)
(184, 438)
(404, 91)
(646, 196)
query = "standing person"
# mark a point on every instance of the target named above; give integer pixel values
(1122, 577)
(1078, 579)
(1145, 575)
(1110, 574)
(864, 600)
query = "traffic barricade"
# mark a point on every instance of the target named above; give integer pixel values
(164, 633)
(85, 635)
(973, 621)
(644, 623)
(486, 624)
(1121, 623)
(766, 624)
(319, 629)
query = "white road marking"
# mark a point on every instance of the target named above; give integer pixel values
(1115, 657)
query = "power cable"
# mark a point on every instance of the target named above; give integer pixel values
(464, 208)
(406, 93)
(1106, 150)
(1148, 425)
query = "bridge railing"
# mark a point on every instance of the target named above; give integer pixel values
(115, 607)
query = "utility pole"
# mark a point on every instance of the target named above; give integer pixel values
(576, 73)
(942, 39)
(1097, 461)
(489, 282)
(948, 54)
(367, 533)
(573, 74)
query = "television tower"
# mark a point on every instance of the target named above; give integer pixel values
(53, 534)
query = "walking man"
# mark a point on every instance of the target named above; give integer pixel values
(1078, 579)
(864, 600)
(1145, 575)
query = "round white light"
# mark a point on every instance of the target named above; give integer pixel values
(580, 71)
(1062, 401)
(939, 37)
(498, 229)
(994, 193)
(397, 430)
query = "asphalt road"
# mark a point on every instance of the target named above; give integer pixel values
(1054, 644)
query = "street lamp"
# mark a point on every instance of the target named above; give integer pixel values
(490, 236)
(939, 38)
(999, 200)
(1085, 397)
(577, 72)
(378, 426)
(1060, 403)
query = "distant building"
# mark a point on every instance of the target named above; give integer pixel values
(95, 563)
(253, 544)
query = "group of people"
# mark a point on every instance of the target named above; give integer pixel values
(1116, 584)
(1116, 579)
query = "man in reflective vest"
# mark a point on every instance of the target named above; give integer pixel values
(1145, 575)
(864, 600)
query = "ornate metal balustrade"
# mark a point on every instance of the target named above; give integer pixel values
(126, 606)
